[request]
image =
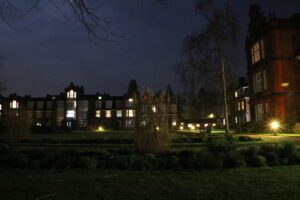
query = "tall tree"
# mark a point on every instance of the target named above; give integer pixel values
(132, 88)
(207, 52)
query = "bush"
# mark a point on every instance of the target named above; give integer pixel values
(257, 161)
(91, 162)
(270, 153)
(288, 154)
(251, 127)
(296, 128)
(233, 160)
(248, 139)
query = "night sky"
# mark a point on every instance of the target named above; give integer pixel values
(46, 50)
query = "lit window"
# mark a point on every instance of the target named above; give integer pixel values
(243, 105)
(174, 123)
(69, 124)
(98, 113)
(153, 108)
(239, 106)
(258, 51)
(70, 113)
(71, 94)
(108, 114)
(119, 113)
(236, 94)
(14, 104)
(130, 113)
(236, 120)
(0, 106)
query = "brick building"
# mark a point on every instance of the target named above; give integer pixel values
(272, 48)
(75, 109)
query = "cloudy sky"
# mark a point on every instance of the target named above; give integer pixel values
(47, 49)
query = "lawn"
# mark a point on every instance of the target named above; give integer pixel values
(278, 183)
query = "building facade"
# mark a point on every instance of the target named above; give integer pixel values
(272, 48)
(240, 111)
(77, 110)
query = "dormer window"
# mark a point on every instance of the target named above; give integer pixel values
(71, 94)
(14, 104)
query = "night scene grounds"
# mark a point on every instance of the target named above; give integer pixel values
(150, 99)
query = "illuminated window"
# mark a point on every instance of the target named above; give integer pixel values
(258, 51)
(239, 106)
(130, 113)
(71, 94)
(14, 104)
(153, 108)
(236, 120)
(108, 114)
(70, 113)
(98, 113)
(236, 94)
(119, 113)
(0, 106)
(243, 105)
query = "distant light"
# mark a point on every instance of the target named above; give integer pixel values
(181, 127)
(174, 123)
(285, 84)
(157, 128)
(100, 128)
(153, 108)
(205, 125)
(130, 100)
(214, 125)
(211, 116)
(197, 125)
(190, 125)
(193, 127)
(99, 97)
(38, 124)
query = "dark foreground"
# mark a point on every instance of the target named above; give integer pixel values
(244, 183)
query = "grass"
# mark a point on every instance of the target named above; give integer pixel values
(276, 183)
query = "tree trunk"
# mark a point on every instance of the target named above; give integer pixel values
(224, 91)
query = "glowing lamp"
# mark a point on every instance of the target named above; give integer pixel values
(181, 127)
(100, 128)
(275, 126)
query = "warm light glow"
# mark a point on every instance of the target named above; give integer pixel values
(197, 125)
(99, 97)
(193, 127)
(214, 125)
(130, 100)
(38, 124)
(157, 128)
(174, 123)
(190, 125)
(181, 127)
(211, 116)
(285, 84)
(274, 125)
(205, 125)
(153, 108)
(100, 128)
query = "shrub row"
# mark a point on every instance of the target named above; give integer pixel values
(216, 155)
(127, 141)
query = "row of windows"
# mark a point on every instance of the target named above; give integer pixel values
(119, 113)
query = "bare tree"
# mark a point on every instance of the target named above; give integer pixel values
(85, 12)
(206, 51)
(152, 122)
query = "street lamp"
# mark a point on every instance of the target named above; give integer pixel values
(275, 126)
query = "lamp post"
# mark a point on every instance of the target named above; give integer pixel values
(274, 125)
